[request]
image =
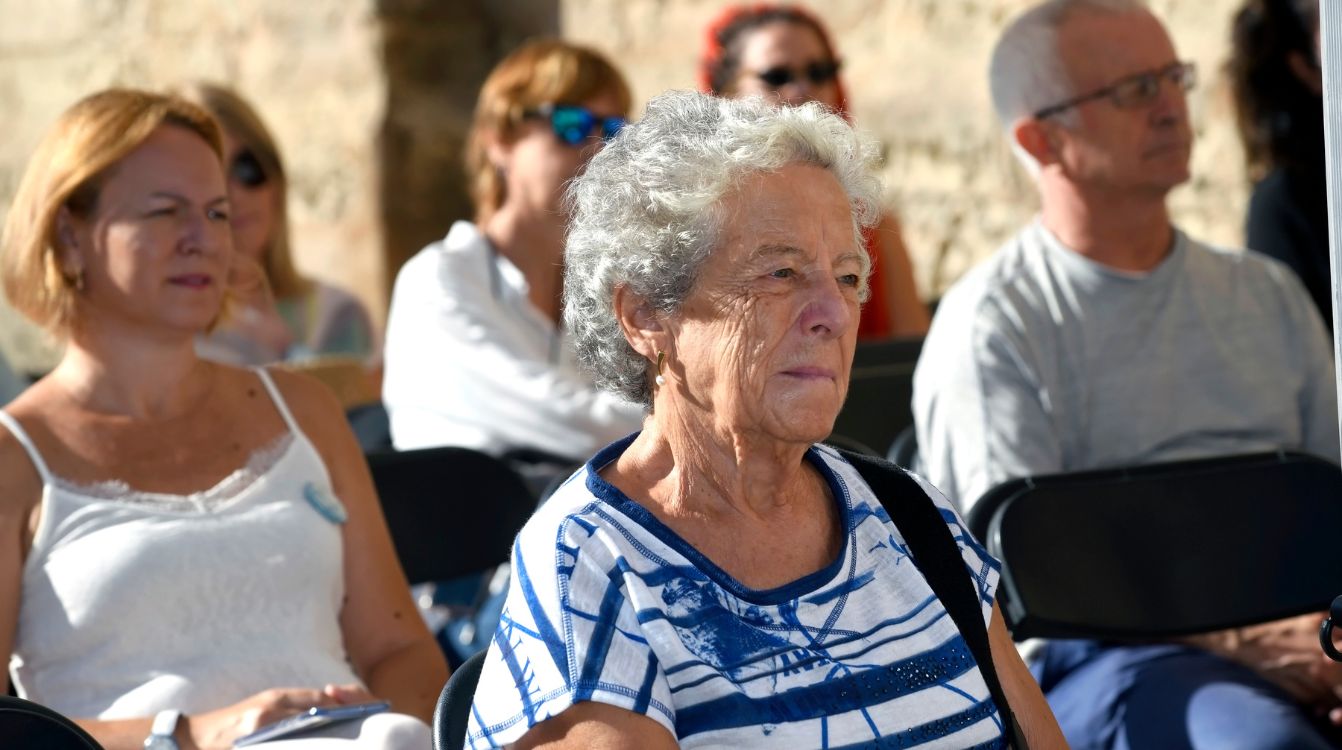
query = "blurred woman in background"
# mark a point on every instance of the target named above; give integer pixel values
(1277, 80)
(187, 550)
(476, 355)
(281, 315)
(784, 53)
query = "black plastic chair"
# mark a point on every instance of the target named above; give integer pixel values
(24, 724)
(880, 392)
(904, 450)
(371, 426)
(1166, 549)
(453, 711)
(451, 511)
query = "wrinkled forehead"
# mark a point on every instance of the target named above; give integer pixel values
(1098, 47)
(800, 205)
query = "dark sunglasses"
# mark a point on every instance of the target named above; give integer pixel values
(574, 125)
(817, 73)
(1133, 91)
(247, 171)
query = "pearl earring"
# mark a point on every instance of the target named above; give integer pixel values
(661, 358)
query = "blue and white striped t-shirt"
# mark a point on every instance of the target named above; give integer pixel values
(608, 604)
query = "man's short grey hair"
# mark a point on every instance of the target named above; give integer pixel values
(1026, 73)
(646, 211)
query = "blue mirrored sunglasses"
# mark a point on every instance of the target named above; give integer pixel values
(574, 125)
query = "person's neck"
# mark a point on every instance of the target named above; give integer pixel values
(1127, 233)
(534, 242)
(136, 377)
(705, 471)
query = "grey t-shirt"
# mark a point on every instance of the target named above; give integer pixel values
(1041, 360)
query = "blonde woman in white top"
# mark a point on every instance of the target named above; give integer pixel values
(180, 538)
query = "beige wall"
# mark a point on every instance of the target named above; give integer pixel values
(311, 68)
(318, 74)
(916, 78)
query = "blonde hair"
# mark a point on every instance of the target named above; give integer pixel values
(67, 171)
(244, 125)
(544, 71)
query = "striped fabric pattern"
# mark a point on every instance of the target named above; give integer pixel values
(608, 604)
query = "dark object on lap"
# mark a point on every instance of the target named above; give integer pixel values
(1166, 549)
(30, 725)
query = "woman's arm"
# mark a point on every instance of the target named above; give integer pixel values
(217, 729)
(598, 726)
(388, 643)
(908, 314)
(20, 503)
(1022, 692)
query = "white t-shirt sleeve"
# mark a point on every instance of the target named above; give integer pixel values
(567, 635)
(982, 567)
(454, 375)
(982, 416)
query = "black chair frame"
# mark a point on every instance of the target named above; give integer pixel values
(1165, 550)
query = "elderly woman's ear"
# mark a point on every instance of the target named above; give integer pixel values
(641, 323)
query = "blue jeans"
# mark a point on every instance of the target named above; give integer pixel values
(1168, 697)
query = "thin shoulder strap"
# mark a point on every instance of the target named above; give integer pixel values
(938, 557)
(27, 443)
(275, 396)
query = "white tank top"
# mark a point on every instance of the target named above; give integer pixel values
(136, 602)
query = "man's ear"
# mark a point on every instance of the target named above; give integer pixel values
(642, 325)
(1037, 138)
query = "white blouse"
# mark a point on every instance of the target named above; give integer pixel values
(471, 362)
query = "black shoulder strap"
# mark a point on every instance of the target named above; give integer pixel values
(938, 557)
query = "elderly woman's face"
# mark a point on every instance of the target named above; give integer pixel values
(764, 341)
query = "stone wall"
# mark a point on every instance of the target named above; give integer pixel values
(370, 100)
(916, 77)
(311, 68)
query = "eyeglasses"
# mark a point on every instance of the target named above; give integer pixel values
(817, 73)
(246, 169)
(574, 125)
(1133, 91)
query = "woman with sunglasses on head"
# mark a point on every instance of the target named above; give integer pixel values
(475, 354)
(783, 53)
(188, 550)
(278, 314)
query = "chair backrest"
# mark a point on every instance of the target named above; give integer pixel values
(30, 725)
(1165, 549)
(880, 392)
(454, 704)
(451, 511)
(371, 426)
(904, 450)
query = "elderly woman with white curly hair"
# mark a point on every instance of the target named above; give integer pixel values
(719, 578)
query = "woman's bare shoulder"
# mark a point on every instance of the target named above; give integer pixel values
(20, 479)
(313, 404)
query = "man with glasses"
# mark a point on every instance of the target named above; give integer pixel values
(1101, 335)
